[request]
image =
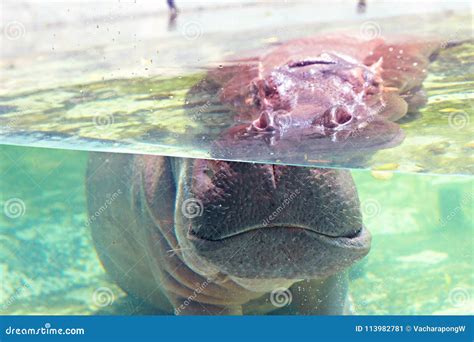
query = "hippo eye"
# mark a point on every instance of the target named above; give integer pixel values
(309, 62)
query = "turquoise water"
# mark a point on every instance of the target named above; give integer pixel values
(421, 261)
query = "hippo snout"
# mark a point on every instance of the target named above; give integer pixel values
(241, 197)
(271, 221)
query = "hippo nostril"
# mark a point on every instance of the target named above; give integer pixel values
(336, 116)
(264, 122)
(342, 116)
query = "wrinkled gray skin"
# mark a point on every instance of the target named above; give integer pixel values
(197, 236)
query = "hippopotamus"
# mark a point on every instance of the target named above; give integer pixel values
(325, 97)
(195, 236)
(198, 236)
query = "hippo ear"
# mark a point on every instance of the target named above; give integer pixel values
(405, 64)
(403, 67)
(158, 190)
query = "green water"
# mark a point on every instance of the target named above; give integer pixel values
(158, 116)
(131, 94)
(421, 261)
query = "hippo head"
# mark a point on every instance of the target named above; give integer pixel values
(315, 105)
(258, 221)
(326, 94)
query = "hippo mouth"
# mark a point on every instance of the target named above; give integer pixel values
(278, 251)
(352, 235)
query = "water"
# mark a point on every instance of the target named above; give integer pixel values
(118, 85)
(420, 261)
(416, 199)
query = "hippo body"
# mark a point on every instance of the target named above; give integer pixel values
(194, 236)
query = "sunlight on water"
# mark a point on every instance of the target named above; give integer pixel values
(146, 103)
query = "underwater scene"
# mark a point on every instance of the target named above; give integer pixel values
(237, 158)
(420, 261)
